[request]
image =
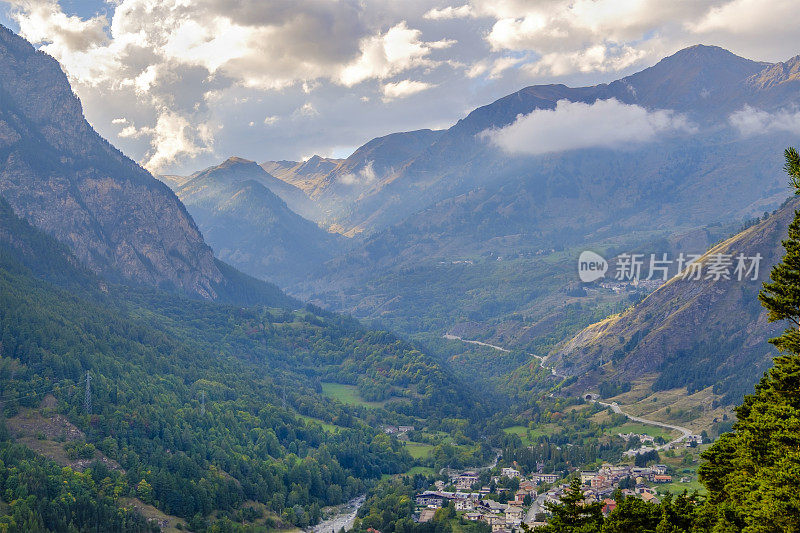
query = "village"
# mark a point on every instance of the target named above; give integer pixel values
(511, 498)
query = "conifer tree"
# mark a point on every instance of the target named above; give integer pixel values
(572, 514)
(753, 473)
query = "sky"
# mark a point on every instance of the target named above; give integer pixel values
(179, 85)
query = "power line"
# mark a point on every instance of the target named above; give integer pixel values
(87, 402)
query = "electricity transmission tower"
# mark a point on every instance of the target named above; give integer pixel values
(87, 401)
(202, 402)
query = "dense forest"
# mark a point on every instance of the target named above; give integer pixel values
(203, 407)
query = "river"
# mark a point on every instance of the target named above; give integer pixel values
(343, 519)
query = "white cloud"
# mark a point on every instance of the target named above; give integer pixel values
(449, 12)
(403, 89)
(306, 110)
(173, 135)
(385, 55)
(750, 121)
(575, 125)
(185, 57)
(269, 120)
(365, 176)
(220, 64)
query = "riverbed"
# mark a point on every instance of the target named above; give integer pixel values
(342, 519)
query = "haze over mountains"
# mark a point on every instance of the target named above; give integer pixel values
(475, 229)
(480, 224)
(250, 227)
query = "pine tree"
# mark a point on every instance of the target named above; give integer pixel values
(753, 473)
(573, 515)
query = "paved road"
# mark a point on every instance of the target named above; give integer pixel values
(537, 506)
(685, 432)
(500, 348)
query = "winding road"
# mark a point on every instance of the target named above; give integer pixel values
(505, 350)
(685, 432)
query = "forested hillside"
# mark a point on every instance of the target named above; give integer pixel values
(203, 407)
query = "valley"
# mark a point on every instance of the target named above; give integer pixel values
(401, 339)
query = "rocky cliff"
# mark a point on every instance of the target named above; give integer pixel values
(60, 175)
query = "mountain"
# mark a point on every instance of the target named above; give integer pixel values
(308, 176)
(250, 227)
(707, 336)
(196, 409)
(58, 173)
(336, 185)
(493, 238)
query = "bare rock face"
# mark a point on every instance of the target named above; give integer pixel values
(58, 173)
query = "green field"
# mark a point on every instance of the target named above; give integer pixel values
(419, 450)
(644, 429)
(424, 470)
(535, 433)
(676, 487)
(327, 426)
(347, 394)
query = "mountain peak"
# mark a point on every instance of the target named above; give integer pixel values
(693, 78)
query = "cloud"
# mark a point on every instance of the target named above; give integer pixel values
(449, 12)
(751, 121)
(306, 110)
(185, 57)
(365, 176)
(385, 55)
(575, 125)
(220, 64)
(403, 89)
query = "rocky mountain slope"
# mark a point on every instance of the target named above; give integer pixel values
(250, 227)
(336, 185)
(689, 333)
(58, 173)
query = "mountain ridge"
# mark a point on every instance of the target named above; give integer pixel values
(58, 173)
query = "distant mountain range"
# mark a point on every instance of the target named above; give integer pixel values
(447, 229)
(250, 227)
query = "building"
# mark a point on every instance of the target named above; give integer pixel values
(405, 429)
(587, 477)
(663, 478)
(430, 499)
(547, 478)
(464, 505)
(466, 480)
(608, 506)
(510, 472)
(473, 516)
(514, 515)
